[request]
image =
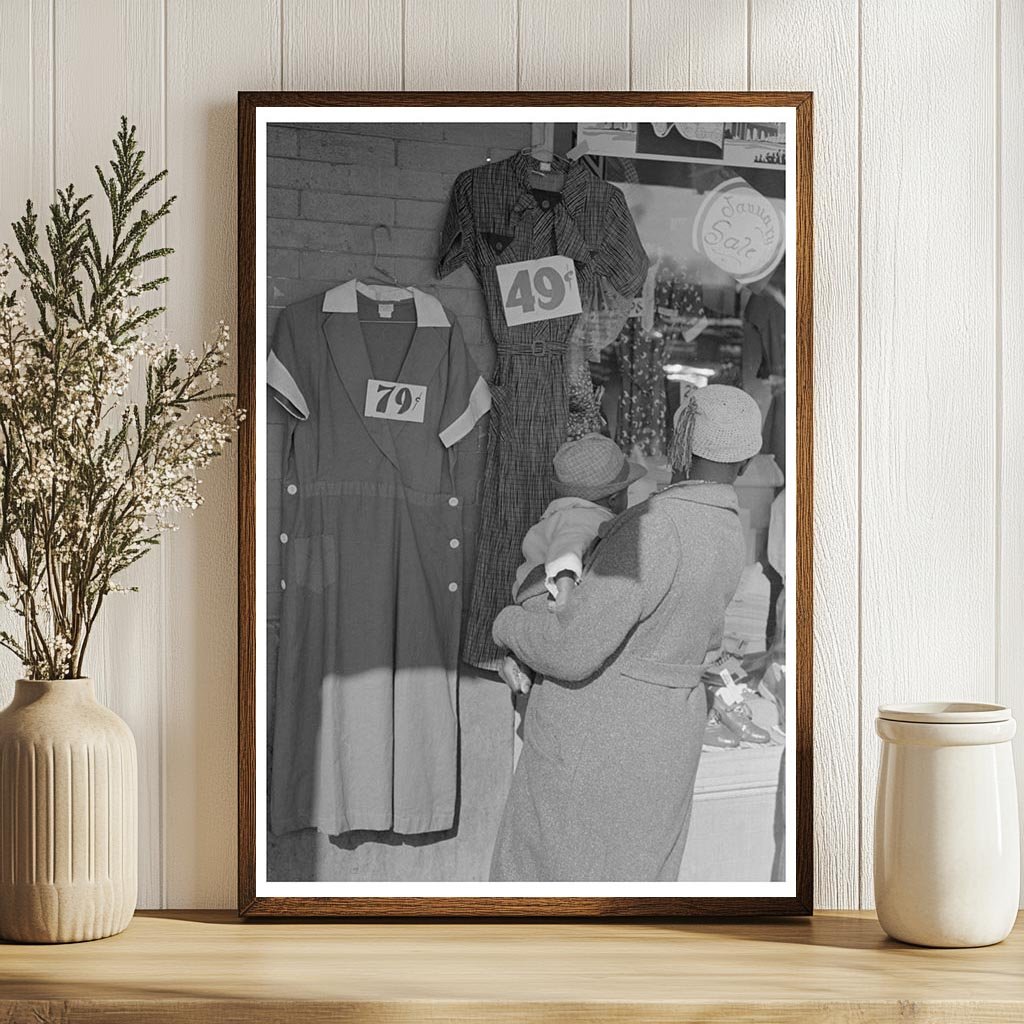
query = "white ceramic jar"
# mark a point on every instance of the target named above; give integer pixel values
(947, 846)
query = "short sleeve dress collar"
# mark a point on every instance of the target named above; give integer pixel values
(347, 347)
(566, 210)
(342, 299)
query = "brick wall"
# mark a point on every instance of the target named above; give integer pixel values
(327, 186)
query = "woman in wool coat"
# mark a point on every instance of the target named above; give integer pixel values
(614, 727)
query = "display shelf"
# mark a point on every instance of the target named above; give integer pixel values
(204, 967)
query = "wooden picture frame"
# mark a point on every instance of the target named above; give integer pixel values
(253, 903)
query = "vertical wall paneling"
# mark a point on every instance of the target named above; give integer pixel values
(26, 107)
(1010, 274)
(466, 44)
(123, 658)
(342, 44)
(928, 412)
(574, 44)
(26, 169)
(696, 44)
(929, 559)
(213, 51)
(831, 72)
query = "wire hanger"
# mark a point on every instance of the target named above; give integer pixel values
(379, 274)
(541, 151)
(543, 145)
(386, 281)
(550, 175)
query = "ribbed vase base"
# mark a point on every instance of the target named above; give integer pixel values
(63, 913)
(68, 815)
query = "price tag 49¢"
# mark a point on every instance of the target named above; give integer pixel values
(542, 289)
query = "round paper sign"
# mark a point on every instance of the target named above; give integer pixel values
(740, 231)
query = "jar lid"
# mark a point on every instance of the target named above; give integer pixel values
(945, 712)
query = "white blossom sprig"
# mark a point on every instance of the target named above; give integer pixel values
(92, 471)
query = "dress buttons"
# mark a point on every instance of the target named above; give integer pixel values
(453, 501)
(292, 489)
(284, 538)
(453, 587)
(498, 246)
(283, 584)
(454, 542)
(544, 205)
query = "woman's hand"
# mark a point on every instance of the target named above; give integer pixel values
(565, 586)
(514, 675)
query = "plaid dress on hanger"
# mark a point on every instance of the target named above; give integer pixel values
(497, 216)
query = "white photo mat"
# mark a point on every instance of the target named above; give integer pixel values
(399, 889)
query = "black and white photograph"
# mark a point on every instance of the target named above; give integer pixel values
(525, 503)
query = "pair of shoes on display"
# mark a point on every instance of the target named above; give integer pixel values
(738, 719)
(717, 735)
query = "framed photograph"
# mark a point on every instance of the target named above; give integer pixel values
(525, 504)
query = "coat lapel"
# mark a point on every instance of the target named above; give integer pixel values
(428, 345)
(569, 239)
(347, 348)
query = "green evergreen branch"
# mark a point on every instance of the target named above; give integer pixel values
(86, 475)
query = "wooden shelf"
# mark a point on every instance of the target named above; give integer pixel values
(209, 967)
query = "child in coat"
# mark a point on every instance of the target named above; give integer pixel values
(591, 479)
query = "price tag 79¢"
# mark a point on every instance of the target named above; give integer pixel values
(392, 400)
(542, 289)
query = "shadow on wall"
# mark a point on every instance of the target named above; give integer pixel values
(350, 720)
(462, 853)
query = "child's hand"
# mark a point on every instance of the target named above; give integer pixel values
(565, 587)
(514, 676)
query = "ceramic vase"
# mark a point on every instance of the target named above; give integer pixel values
(947, 846)
(68, 815)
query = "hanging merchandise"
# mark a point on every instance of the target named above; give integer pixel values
(602, 321)
(510, 213)
(595, 332)
(764, 343)
(584, 412)
(679, 303)
(381, 390)
(642, 420)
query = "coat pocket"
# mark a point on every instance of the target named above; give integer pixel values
(314, 562)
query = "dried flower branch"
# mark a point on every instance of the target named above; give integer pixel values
(90, 478)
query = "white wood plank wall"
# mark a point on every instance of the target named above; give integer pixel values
(919, 339)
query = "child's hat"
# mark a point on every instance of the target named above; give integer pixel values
(719, 423)
(593, 467)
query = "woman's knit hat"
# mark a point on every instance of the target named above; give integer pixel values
(718, 423)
